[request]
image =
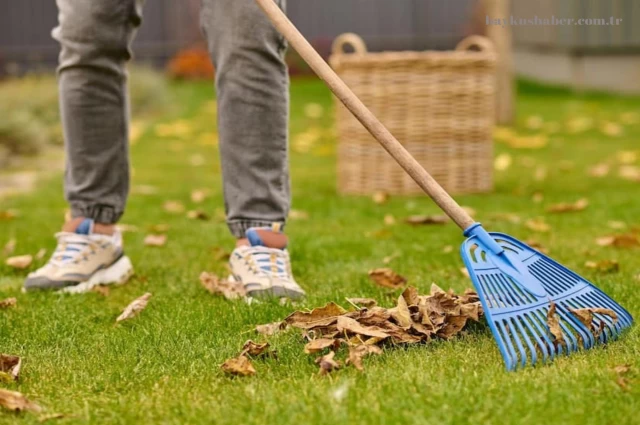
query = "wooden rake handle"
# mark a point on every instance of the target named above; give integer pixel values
(365, 116)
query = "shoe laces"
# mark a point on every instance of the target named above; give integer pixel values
(268, 262)
(73, 248)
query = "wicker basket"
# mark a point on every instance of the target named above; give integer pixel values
(439, 105)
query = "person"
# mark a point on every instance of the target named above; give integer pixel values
(252, 89)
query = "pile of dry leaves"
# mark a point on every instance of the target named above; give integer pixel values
(367, 328)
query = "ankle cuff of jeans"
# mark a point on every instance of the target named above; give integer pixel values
(104, 214)
(239, 228)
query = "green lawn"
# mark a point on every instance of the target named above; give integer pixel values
(163, 366)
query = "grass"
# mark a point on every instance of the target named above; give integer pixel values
(163, 367)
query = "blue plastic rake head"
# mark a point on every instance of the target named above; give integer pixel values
(516, 285)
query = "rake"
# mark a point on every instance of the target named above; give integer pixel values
(529, 300)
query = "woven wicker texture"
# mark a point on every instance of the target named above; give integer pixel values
(439, 105)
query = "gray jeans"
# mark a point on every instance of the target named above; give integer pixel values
(252, 87)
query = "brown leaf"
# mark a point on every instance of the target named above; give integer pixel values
(254, 349)
(579, 205)
(155, 240)
(387, 278)
(270, 328)
(411, 296)
(50, 417)
(389, 220)
(6, 215)
(19, 262)
(363, 302)
(198, 215)
(627, 240)
(298, 215)
(599, 170)
(40, 254)
(603, 266)
(102, 290)
(584, 315)
(537, 225)
(321, 316)
(10, 365)
(230, 289)
(159, 228)
(8, 302)
(15, 401)
(239, 366)
(317, 345)
(418, 220)
(622, 369)
(135, 307)
(380, 197)
(173, 207)
(606, 312)
(629, 172)
(198, 196)
(401, 313)
(553, 321)
(346, 324)
(357, 353)
(9, 247)
(327, 363)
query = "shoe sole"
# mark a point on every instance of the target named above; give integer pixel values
(116, 274)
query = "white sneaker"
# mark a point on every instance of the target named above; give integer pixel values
(265, 272)
(81, 261)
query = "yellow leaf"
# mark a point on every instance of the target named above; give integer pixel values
(19, 262)
(502, 162)
(155, 240)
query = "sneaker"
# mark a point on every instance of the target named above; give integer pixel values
(82, 260)
(264, 272)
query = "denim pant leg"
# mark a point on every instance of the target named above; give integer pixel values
(252, 86)
(95, 36)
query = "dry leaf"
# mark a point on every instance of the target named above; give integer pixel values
(327, 363)
(611, 129)
(346, 324)
(9, 247)
(401, 313)
(317, 345)
(537, 225)
(198, 215)
(220, 254)
(270, 328)
(15, 401)
(553, 321)
(135, 307)
(617, 225)
(6, 215)
(159, 228)
(8, 302)
(322, 316)
(173, 207)
(19, 262)
(313, 110)
(599, 170)
(102, 290)
(629, 172)
(628, 240)
(363, 302)
(40, 254)
(380, 197)
(603, 266)
(10, 365)
(199, 196)
(464, 271)
(622, 369)
(537, 197)
(389, 220)
(238, 366)
(298, 215)
(502, 162)
(155, 240)
(255, 350)
(387, 278)
(579, 205)
(621, 372)
(357, 353)
(50, 417)
(230, 289)
(124, 228)
(417, 220)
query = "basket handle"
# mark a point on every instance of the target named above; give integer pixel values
(365, 116)
(482, 43)
(351, 39)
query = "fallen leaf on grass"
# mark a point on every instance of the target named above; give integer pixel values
(363, 302)
(173, 207)
(135, 307)
(628, 240)
(270, 328)
(622, 371)
(317, 345)
(617, 225)
(8, 302)
(321, 316)
(155, 240)
(50, 417)
(239, 366)
(603, 266)
(387, 278)
(346, 324)
(389, 220)
(230, 289)
(220, 254)
(380, 197)
(6, 215)
(198, 215)
(102, 290)
(563, 207)
(199, 196)
(611, 129)
(629, 172)
(159, 228)
(358, 352)
(599, 170)
(127, 228)
(502, 162)
(537, 225)
(418, 220)
(327, 363)
(553, 321)
(298, 215)
(19, 262)
(9, 247)
(313, 110)
(254, 349)
(15, 401)
(10, 365)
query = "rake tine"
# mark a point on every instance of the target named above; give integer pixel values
(521, 351)
(511, 357)
(537, 332)
(580, 329)
(527, 341)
